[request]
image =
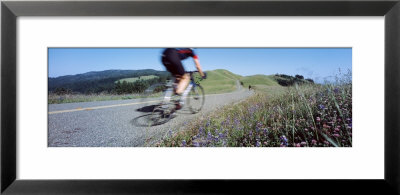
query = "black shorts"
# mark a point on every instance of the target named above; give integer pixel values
(172, 62)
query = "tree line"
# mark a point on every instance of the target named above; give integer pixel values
(287, 80)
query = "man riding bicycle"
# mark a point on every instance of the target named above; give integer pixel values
(171, 58)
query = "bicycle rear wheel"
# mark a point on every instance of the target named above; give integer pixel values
(196, 99)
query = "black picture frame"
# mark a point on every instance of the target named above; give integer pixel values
(10, 10)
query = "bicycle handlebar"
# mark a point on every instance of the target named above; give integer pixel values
(191, 73)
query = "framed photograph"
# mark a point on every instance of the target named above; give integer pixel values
(171, 96)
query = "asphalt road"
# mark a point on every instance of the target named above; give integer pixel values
(121, 123)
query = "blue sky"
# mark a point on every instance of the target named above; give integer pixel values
(315, 63)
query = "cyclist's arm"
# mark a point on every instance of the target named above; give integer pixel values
(197, 62)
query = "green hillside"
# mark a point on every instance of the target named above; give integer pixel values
(134, 79)
(220, 81)
(223, 81)
(259, 80)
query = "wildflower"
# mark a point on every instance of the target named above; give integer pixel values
(321, 107)
(284, 140)
(336, 129)
(201, 131)
(336, 135)
(265, 131)
(196, 144)
(183, 143)
(298, 145)
(209, 136)
(258, 144)
(258, 126)
(318, 119)
(306, 130)
(336, 90)
(303, 143)
(314, 142)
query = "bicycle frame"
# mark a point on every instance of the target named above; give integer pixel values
(171, 85)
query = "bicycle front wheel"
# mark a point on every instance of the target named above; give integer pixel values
(196, 99)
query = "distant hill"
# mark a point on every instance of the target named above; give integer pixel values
(220, 81)
(254, 80)
(98, 81)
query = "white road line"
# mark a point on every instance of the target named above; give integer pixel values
(117, 105)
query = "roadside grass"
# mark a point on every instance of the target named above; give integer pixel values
(70, 98)
(298, 116)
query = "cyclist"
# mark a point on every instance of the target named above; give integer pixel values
(171, 59)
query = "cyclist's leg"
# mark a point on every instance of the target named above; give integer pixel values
(174, 65)
(182, 83)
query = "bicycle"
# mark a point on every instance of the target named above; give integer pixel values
(193, 94)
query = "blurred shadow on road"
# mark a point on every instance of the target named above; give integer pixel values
(149, 108)
(143, 121)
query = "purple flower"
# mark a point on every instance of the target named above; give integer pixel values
(318, 119)
(336, 135)
(303, 143)
(336, 90)
(321, 107)
(183, 143)
(201, 131)
(336, 130)
(284, 140)
(314, 142)
(209, 136)
(258, 126)
(258, 144)
(196, 144)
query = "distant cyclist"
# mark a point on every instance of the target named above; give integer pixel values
(171, 58)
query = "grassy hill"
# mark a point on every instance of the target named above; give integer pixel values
(134, 79)
(259, 80)
(220, 81)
